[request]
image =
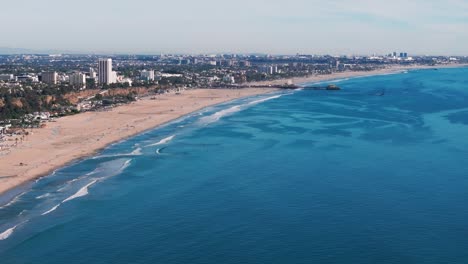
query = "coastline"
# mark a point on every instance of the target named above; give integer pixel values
(72, 138)
(354, 74)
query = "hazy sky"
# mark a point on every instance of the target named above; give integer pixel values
(266, 26)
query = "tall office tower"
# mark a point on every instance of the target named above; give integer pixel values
(49, 77)
(105, 71)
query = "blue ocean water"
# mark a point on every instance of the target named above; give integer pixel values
(375, 173)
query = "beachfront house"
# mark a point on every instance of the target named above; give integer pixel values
(42, 116)
(3, 129)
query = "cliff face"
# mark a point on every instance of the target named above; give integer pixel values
(17, 102)
(75, 97)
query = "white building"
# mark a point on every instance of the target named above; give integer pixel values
(147, 75)
(49, 77)
(92, 73)
(78, 79)
(7, 77)
(266, 69)
(229, 79)
(113, 77)
(105, 73)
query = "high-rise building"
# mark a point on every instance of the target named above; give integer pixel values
(78, 79)
(244, 63)
(49, 77)
(266, 69)
(105, 71)
(147, 75)
(274, 69)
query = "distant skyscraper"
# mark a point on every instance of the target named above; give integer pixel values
(105, 71)
(49, 77)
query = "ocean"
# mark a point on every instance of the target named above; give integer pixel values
(374, 173)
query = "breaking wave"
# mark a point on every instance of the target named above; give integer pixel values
(81, 192)
(14, 200)
(162, 141)
(52, 209)
(136, 152)
(43, 196)
(7, 233)
(218, 115)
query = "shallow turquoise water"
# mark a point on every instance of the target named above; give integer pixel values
(375, 173)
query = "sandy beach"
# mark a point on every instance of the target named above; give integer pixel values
(74, 137)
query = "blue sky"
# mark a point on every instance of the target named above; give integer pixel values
(210, 26)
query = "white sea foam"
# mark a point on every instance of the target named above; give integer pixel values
(7, 233)
(52, 209)
(264, 99)
(14, 200)
(218, 115)
(43, 196)
(157, 152)
(125, 165)
(162, 141)
(81, 192)
(136, 152)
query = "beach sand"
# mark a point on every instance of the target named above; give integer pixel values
(74, 137)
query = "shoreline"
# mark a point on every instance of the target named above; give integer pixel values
(355, 74)
(74, 138)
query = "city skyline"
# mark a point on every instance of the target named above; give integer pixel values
(207, 26)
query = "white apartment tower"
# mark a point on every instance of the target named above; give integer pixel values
(105, 71)
(147, 75)
(78, 79)
(49, 77)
